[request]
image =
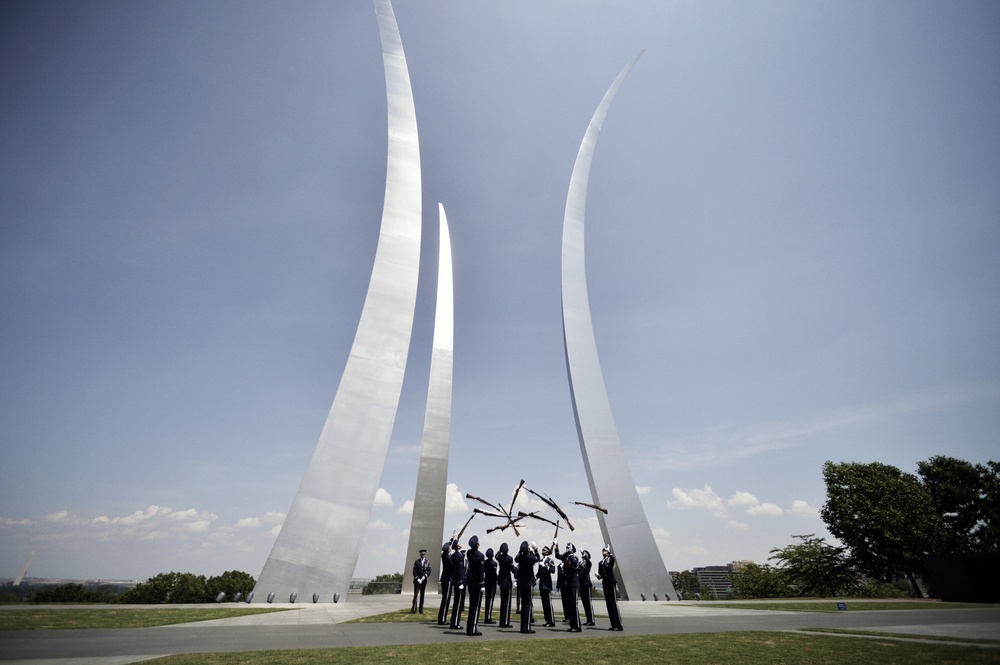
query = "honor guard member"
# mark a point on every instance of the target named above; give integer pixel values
(445, 582)
(476, 576)
(546, 567)
(526, 560)
(458, 580)
(421, 573)
(571, 582)
(505, 580)
(561, 585)
(489, 586)
(606, 573)
(586, 585)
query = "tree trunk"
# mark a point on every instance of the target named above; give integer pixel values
(913, 583)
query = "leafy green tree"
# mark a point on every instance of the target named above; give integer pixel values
(885, 516)
(816, 568)
(754, 580)
(687, 585)
(75, 593)
(170, 588)
(230, 583)
(967, 497)
(390, 583)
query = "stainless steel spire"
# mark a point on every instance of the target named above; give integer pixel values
(318, 546)
(427, 522)
(640, 566)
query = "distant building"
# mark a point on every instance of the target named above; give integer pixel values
(717, 578)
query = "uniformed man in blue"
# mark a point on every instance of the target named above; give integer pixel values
(606, 573)
(571, 584)
(546, 567)
(526, 559)
(421, 573)
(458, 579)
(445, 582)
(489, 586)
(475, 577)
(586, 585)
(505, 580)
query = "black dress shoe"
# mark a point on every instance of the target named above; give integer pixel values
(506, 625)
(477, 634)
(489, 622)
(549, 625)
(619, 628)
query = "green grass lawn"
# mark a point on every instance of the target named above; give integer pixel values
(42, 619)
(404, 616)
(831, 605)
(748, 648)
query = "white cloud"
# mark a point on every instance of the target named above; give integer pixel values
(765, 510)
(6, 521)
(743, 499)
(380, 525)
(248, 523)
(698, 498)
(382, 499)
(643, 489)
(455, 500)
(406, 508)
(800, 507)
(736, 524)
(56, 517)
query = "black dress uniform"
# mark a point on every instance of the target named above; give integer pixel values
(544, 577)
(489, 586)
(526, 560)
(475, 577)
(421, 573)
(458, 579)
(505, 580)
(586, 584)
(606, 573)
(571, 584)
(445, 583)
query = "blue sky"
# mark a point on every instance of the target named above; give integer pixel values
(793, 227)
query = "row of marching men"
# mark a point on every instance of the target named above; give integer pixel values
(479, 577)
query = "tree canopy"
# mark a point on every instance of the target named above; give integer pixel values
(189, 588)
(688, 586)
(889, 519)
(815, 567)
(752, 580)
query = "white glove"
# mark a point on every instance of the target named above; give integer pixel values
(534, 546)
(461, 586)
(555, 542)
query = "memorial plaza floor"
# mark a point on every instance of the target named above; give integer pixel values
(308, 626)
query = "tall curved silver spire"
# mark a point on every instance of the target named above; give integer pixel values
(318, 546)
(625, 527)
(427, 522)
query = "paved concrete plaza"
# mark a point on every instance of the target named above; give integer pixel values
(324, 625)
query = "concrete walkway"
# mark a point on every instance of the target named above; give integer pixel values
(312, 626)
